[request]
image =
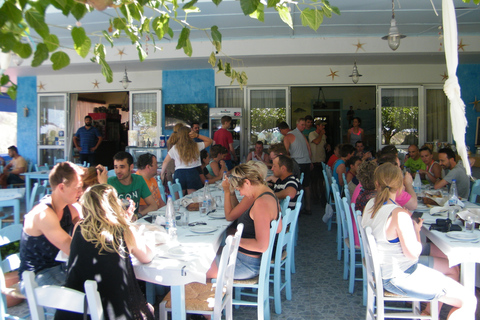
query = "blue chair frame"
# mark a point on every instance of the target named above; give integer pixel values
(175, 187)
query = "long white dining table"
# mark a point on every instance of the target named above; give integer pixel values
(177, 263)
(464, 253)
(40, 175)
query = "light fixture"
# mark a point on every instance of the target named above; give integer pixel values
(125, 82)
(25, 111)
(321, 102)
(355, 75)
(393, 35)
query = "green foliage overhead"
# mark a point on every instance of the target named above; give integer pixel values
(137, 20)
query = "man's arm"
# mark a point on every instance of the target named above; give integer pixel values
(318, 139)
(151, 205)
(49, 225)
(76, 142)
(100, 139)
(288, 191)
(440, 184)
(309, 149)
(232, 151)
(287, 141)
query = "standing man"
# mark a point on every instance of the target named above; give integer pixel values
(318, 144)
(299, 149)
(131, 186)
(309, 127)
(196, 129)
(147, 168)
(48, 227)
(86, 140)
(225, 138)
(414, 162)
(286, 184)
(13, 170)
(456, 171)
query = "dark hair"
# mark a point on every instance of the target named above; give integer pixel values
(346, 149)
(13, 148)
(203, 154)
(389, 149)
(449, 152)
(387, 158)
(425, 148)
(63, 172)
(277, 148)
(308, 117)
(123, 155)
(216, 150)
(226, 119)
(359, 141)
(285, 161)
(194, 123)
(358, 119)
(351, 161)
(87, 117)
(259, 142)
(283, 125)
(144, 160)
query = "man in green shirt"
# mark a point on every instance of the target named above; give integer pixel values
(131, 186)
(309, 127)
(414, 161)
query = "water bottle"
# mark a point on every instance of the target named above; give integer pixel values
(417, 183)
(453, 194)
(207, 197)
(224, 175)
(170, 219)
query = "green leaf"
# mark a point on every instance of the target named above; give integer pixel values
(170, 32)
(3, 18)
(78, 35)
(228, 69)
(52, 42)
(60, 60)
(259, 14)
(312, 18)
(249, 6)
(188, 48)
(4, 79)
(182, 40)
(106, 70)
(22, 4)
(59, 3)
(23, 50)
(7, 41)
(12, 11)
(12, 91)
(192, 9)
(217, 2)
(218, 46)
(189, 4)
(220, 65)
(272, 3)
(37, 22)
(136, 11)
(108, 38)
(78, 10)
(216, 35)
(327, 12)
(160, 26)
(119, 23)
(141, 53)
(285, 15)
(337, 11)
(126, 12)
(212, 59)
(145, 26)
(83, 49)
(99, 51)
(41, 54)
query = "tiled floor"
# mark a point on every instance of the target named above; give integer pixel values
(319, 292)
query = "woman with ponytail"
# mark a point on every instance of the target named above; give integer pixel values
(399, 247)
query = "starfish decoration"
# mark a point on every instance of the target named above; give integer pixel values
(359, 46)
(475, 103)
(121, 52)
(444, 76)
(332, 74)
(95, 84)
(41, 86)
(461, 45)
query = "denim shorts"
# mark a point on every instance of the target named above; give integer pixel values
(52, 276)
(419, 281)
(246, 267)
(189, 178)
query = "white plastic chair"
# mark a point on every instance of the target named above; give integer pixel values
(61, 298)
(162, 189)
(302, 176)
(351, 250)
(11, 263)
(358, 219)
(221, 292)
(261, 282)
(284, 205)
(175, 187)
(377, 296)
(42, 168)
(340, 243)
(38, 192)
(55, 160)
(474, 191)
(329, 196)
(299, 206)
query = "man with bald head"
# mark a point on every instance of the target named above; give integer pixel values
(414, 161)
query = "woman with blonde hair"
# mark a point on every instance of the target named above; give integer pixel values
(399, 247)
(186, 154)
(258, 209)
(100, 251)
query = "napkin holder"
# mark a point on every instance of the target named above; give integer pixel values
(445, 225)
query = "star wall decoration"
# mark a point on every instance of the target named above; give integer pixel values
(40, 86)
(444, 76)
(332, 74)
(95, 84)
(359, 46)
(461, 45)
(121, 52)
(476, 104)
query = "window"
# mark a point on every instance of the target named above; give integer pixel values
(437, 118)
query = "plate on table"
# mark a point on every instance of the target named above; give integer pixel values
(462, 236)
(180, 251)
(203, 229)
(216, 215)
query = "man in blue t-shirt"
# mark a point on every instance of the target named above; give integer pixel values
(131, 186)
(86, 140)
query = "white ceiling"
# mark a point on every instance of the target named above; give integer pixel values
(359, 19)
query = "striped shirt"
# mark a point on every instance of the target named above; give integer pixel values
(289, 181)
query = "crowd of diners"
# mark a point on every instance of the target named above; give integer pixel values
(86, 217)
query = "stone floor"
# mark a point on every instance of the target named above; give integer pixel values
(319, 292)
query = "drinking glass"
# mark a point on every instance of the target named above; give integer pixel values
(469, 224)
(218, 201)
(203, 209)
(176, 205)
(184, 220)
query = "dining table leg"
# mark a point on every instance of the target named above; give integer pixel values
(467, 278)
(178, 302)
(28, 187)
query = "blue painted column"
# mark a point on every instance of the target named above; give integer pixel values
(27, 126)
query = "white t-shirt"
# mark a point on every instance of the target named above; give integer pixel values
(179, 164)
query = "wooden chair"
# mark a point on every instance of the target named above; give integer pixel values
(61, 298)
(377, 296)
(175, 187)
(260, 283)
(212, 298)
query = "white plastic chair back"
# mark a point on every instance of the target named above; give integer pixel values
(346, 193)
(474, 191)
(162, 189)
(39, 190)
(284, 205)
(61, 298)
(175, 188)
(302, 176)
(42, 168)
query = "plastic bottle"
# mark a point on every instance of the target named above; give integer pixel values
(207, 197)
(224, 175)
(417, 183)
(453, 194)
(170, 219)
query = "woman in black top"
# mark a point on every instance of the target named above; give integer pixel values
(100, 251)
(256, 211)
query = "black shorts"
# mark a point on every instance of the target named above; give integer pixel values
(305, 168)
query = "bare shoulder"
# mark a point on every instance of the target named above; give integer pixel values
(38, 218)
